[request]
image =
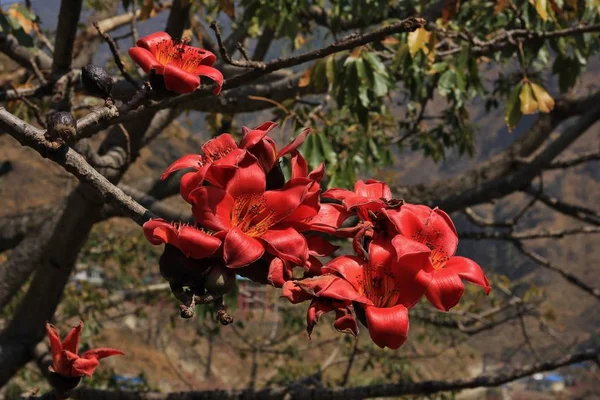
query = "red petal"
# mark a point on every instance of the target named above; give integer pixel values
(206, 57)
(313, 267)
(254, 136)
(196, 244)
(348, 267)
(299, 166)
(468, 270)
(218, 147)
(279, 272)
(212, 207)
(71, 342)
(55, 344)
(146, 60)
(319, 246)
(388, 327)
(84, 366)
(445, 289)
(317, 308)
(191, 181)
(294, 293)
(214, 74)
(332, 287)
(410, 269)
(294, 144)
(240, 249)
(433, 227)
(151, 41)
(329, 219)
(64, 366)
(180, 81)
(285, 201)
(287, 244)
(337, 194)
(102, 352)
(248, 178)
(187, 161)
(221, 171)
(345, 319)
(317, 173)
(368, 203)
(374, 189)
(305, 211)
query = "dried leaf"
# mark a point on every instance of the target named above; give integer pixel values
(545, 101)
(528, 103)
(305, 78)
(146, 9)
(228, 7)
(450, 9)
(418, 40)
(500, 6)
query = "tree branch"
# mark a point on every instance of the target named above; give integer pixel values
(578, 212)
(529, 235)
(74, 163)
(575, 160)
(300, 392)
(68, 18)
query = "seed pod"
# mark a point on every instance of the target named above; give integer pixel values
(62, 126)
(219, 280)
(96, 81)
(62, 384)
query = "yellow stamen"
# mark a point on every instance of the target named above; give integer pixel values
(252, 215)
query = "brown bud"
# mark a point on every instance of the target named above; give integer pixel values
(96, 81)
(219, 280)
(62, 127)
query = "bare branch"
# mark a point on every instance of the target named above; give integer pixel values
(575, 160)
(30, 136)
(225, 53)
(529, 235)
(68, 18)
(572, 279)
(361, 392)
(578, 212)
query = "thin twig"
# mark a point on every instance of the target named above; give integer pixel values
(115, 51)
(237, 63)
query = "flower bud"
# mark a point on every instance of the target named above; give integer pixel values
(180, 270)
(96, 81)
(62, 127)
(219, 280)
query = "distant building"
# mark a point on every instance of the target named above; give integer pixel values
(90, 274)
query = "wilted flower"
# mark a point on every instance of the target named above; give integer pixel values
(65, 360)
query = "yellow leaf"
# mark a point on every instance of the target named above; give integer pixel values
(545, 101)
(528, 103)
(299, 40)
(418, 40)
(305, 78)
(25, 22)
(541, 6)
(187, 35)
(228, 7)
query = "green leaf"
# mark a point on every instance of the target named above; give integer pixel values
(375, 62)
(330, 68)
(447, 82)
(512, 114)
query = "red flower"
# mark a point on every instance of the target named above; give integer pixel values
(65, 360)
(435, 229)
(383, 287)
(223, 153)
(367, 196)
(251, 220)
(180, 65)
(191, 241)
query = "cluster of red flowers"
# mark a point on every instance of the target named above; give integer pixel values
(247, 217)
